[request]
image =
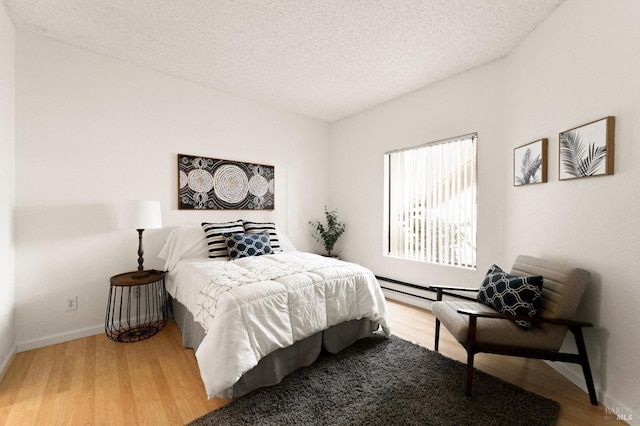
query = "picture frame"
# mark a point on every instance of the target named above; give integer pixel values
(587, 150)
(215, 184)
(530, 163)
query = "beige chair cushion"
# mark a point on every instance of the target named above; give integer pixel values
(495, 331)
(562, 290)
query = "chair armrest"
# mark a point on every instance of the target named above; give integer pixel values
(539, 320)
(446, 289)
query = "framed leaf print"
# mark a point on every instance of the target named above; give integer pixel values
(587, 150)
(530, 163)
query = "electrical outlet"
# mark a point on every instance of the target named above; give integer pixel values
(70, 303)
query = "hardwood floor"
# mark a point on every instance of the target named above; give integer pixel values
(94, 381)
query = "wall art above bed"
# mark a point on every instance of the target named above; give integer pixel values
(214, 184)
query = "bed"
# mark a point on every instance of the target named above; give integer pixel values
(255, 318)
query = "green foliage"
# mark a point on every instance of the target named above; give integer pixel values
(329, 234)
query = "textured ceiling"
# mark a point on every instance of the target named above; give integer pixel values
(326, 59)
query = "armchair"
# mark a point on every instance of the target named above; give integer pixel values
(480, 328)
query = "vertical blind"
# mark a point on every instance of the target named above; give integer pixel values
(431, 202)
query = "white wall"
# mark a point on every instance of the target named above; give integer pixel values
(465, 104)
(92, 132)
(583, 64)
(7, 164)
(580, 65)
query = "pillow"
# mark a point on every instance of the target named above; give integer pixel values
(259, 227)
(184, 242)
(511, 294)
(214, 234)
(285, 243)
(246, 245)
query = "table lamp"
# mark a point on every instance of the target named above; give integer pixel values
(141, 215)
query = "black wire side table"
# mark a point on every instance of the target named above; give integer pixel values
(137, 308)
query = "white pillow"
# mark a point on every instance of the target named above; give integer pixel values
(285, 242)
(184, 242)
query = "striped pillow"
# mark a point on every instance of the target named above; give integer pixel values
(214, 234)
(260, 227)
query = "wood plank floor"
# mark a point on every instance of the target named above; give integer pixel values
(94, 381)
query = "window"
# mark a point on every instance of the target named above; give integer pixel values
(430, 202)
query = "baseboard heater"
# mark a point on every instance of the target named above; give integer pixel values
(418, 287)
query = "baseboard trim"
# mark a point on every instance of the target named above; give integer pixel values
(6, 363)
(41, 342)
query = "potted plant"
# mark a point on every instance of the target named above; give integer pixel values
(329, 234)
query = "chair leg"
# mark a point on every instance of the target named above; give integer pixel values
(471, 351)
(437, 339)
(584, 362)
(469, 379)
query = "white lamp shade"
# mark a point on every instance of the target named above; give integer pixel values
(141, 214)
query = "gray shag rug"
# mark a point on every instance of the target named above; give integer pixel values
(380, 381)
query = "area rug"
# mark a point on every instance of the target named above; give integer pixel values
(380, 381)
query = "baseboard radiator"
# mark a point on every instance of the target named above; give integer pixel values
(402, 287)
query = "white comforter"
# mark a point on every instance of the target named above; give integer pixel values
(253, 306)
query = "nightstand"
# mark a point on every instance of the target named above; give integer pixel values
(137, 307)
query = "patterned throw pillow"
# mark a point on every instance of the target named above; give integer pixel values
(214, 233)
(245, 245)
(259, 227)
(511, 294)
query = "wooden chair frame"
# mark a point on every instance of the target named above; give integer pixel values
(473, 347)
